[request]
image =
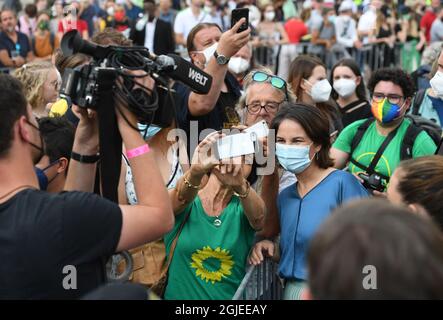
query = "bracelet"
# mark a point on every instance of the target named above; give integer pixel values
(137, 151)
(85, 159)
(188, 184)
(248, 188)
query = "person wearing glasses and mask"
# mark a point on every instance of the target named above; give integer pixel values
(375, 147)
(302, 147)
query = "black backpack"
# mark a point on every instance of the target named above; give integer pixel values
(418, 99)
(418, 124)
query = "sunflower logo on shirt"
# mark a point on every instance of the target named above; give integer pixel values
(212, 265)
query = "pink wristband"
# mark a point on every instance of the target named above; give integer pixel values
(137, 151)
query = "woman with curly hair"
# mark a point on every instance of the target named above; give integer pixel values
(41, 82)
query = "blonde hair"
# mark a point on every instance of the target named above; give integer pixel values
(33, 76)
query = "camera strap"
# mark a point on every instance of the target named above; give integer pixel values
(371, 168)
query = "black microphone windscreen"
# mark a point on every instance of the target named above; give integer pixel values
(195, 78)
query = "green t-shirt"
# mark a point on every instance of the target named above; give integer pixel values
(209, 262)
(372, 140)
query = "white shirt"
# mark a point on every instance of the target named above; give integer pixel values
(185, 21)
(149, 35)
(367, 23)
(346, 31)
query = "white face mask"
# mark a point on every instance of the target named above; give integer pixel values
(321, 91)
(437, 84)
(209, 52)
(110, 11)
(270, 15)
(238, 65)
(346, 18)
(345, 87)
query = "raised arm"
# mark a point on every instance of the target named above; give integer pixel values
(81, 176)
(202, 163)
(230, 42)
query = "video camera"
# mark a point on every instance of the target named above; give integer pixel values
(83, 84)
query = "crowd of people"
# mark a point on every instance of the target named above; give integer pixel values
(348, 176)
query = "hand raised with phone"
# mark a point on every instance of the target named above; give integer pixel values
(205, 158)
(231, 41)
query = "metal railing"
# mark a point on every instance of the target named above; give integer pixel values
(260, 283)
(370, 57)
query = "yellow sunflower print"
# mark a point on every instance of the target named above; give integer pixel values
(224, 259)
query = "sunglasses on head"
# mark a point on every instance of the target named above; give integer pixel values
(275, 81)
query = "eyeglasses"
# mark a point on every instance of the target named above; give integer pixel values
(392, 98)
(270, 107)
(276, 82)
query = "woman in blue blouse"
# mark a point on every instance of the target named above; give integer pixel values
(302, 147)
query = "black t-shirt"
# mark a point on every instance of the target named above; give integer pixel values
(22, 47)
(223, 115)
(42, 233)
(360, 109)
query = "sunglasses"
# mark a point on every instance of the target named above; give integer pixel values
(275, 81)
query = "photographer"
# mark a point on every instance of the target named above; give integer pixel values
(215, 110)
(73, 231)
(390, 135)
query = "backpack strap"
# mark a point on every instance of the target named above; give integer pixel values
(33, 44)
(371, 168)
(408, 141)
(420, 95)
(52, 40)
(360, 133)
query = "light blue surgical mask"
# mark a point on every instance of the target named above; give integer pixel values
(150, 132)
(293, 158)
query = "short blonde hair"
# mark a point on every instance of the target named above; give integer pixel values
(33, 76)
(247, 82)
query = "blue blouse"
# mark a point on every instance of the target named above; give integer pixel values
(301, 217)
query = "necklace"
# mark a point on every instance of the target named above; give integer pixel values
(15, 189)
(217, 221)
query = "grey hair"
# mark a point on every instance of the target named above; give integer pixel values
(247, 82)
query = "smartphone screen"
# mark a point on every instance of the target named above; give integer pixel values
(234, 146)
(236, 15)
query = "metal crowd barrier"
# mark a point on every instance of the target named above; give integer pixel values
(260, 283)
(370, 57)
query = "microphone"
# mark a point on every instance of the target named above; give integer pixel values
(184, 71)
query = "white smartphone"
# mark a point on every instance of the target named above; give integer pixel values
(258, 130)
(235, 145)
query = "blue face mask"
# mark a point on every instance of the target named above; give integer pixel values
(293, 158)
(148, 134)
(41, 176)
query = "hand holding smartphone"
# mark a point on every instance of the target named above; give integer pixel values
(236, 15)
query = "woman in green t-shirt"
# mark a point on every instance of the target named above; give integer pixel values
(220, 213)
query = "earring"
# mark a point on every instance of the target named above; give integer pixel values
(316, 156)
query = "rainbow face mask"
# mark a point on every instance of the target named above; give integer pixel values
(384, 111)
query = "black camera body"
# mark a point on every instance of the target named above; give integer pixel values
(372, 182)
(83, 85)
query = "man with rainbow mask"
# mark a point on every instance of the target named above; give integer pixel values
(373, 148)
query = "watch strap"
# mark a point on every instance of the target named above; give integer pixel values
(84, 159)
